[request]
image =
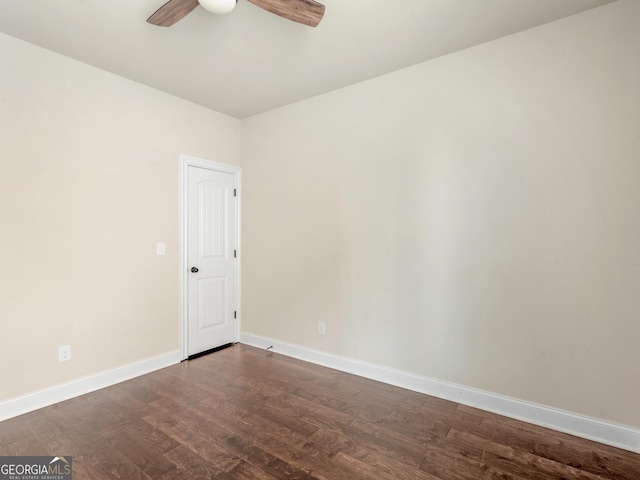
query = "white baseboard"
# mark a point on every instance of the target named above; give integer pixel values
(608, 433)
(43, 398)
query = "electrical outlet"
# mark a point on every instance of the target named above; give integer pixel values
(321, 328)
(64, 353)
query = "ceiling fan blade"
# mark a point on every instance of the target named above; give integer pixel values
(171, 12)
(307, 12)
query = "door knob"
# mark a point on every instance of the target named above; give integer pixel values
(194, 269)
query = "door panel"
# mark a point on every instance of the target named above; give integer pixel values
(212, 302)
(212, 206)
(212, 264)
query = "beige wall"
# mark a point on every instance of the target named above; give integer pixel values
(88, 185)
(475, 218)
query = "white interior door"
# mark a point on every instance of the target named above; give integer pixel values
(211, 259)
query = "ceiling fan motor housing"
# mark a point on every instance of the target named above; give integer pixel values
(218, 6)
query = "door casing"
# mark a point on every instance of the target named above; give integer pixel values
(186, 162)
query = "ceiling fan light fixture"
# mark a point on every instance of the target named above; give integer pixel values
(218, 6)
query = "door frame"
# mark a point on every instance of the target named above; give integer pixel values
(186, 162)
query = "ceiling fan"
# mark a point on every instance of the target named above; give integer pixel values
(307, 12)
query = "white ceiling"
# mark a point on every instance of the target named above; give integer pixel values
(251, 61)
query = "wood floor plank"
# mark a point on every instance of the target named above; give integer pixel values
(602, 460)
(64, 416)
(27, 446)
(392, 441)
(378, 467)
(246, 471)
(309, 411)
(499, 454)
(189, 437)
(284, 418)
(88, 439)
(147, 456)
(448, 465)
(360, 445)
(244, 413)
(52, 438)
(610, 462)
(13, 430)
(229, 434)
(151, 437)
(197, 467)
(110, 463)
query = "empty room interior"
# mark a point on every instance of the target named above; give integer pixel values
(440, 199)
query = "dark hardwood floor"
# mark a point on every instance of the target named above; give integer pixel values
(244, 413)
